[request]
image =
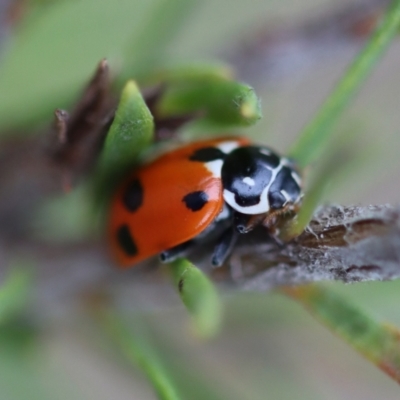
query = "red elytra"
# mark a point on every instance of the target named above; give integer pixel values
(160, 205)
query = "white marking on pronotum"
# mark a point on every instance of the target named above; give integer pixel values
(262, 206)
(285, 194)
(249, 181)
(288, 163)
(296, 178)
(268, 167)
(285, 161)
(265, 152)
(228, 146)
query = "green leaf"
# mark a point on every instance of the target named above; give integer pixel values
(314, 194)
(316, 135)
(17, 333)
(191, 73)
(14, 293)
(378, 342)
(130, 133)
(222, 101)
(345, 157)
(199, 295)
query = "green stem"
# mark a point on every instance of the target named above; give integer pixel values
(14, 292)
(316, 133)
(377, 342)
(199, 295)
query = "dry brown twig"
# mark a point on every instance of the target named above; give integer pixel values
(348, 244)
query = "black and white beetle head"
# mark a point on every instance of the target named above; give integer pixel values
(256, 180)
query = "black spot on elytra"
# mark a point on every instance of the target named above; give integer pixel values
(133, 196)
(207, 154)
(195, 201)
(126, 241)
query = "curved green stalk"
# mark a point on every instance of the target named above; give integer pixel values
(14, 293)
(199, 295)
(316, 134)
(377, 342)
(217, 99)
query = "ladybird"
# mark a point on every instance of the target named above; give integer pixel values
(210, 189)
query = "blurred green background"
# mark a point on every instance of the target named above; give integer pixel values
(269, 347)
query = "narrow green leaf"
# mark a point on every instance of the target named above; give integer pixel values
(17, 334)
(222, 101)
(137, 349)
(14, 293)
(199, 295)
(311, 201)
(327, 170)
(317, 133)
(130, 133)
(378, 342)
(343, 159)
(186, 74)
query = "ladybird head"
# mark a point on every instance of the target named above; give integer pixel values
(257, 180)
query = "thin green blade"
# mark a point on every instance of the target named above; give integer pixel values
(378, 342)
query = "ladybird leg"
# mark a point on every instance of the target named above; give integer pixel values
(244, 223)
(240, 222)
(274, 217)
(175, 252)
(224, 246)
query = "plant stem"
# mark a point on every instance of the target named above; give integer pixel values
(377, 342)
(317, 132)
